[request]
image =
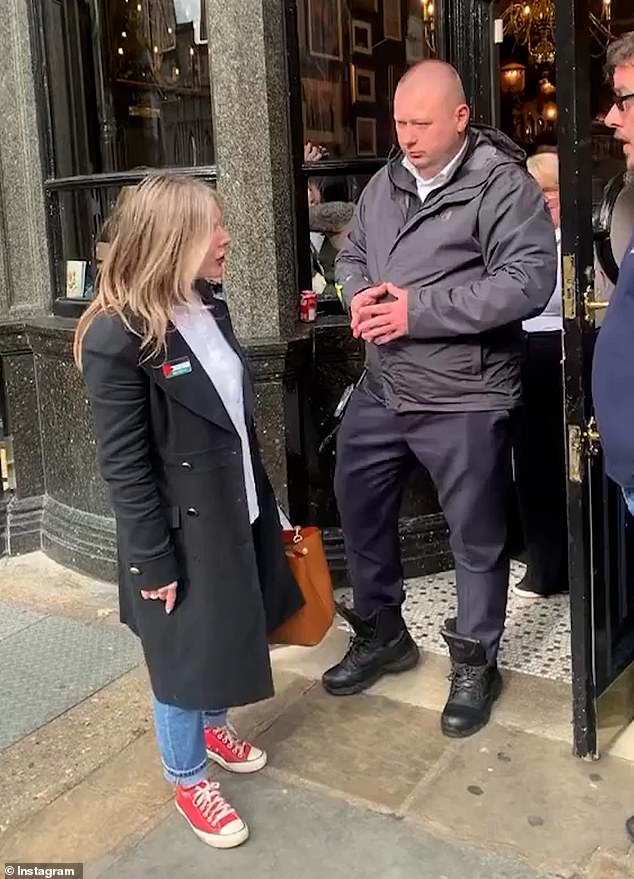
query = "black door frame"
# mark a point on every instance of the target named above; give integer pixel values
(575, 154)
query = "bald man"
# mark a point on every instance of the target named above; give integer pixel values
(451, 249)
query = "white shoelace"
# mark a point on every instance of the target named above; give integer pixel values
(230, 737)
(212, 805)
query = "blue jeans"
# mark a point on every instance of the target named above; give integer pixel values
(179, 733)
(628, 494)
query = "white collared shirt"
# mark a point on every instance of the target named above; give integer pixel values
(425, 187)
(550, 320)
(198, 327)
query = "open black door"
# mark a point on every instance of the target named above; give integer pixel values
(601, 533)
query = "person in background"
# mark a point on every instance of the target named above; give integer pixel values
(202, 570)
(539, 446)
(330, 213)
(451, 248)
(613, 364)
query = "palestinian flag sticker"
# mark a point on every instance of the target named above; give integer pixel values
(176, 367)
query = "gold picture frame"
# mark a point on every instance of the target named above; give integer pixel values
(325, 31)
(392, 20)
(363, 85)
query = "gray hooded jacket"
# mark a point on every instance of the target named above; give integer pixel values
(477, 258)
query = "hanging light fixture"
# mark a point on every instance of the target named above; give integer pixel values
(513, 78)
(531, 23)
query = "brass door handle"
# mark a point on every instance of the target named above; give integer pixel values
(592, 305)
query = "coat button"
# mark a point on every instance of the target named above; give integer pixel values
(186, 465)
(192, 511)
(134, 570)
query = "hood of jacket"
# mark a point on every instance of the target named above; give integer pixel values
(488, 149)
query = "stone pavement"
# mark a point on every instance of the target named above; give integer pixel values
(359, 787)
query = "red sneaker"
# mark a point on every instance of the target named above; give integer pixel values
(210, 816)
(231, 752)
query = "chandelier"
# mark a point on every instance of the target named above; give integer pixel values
(532, 24)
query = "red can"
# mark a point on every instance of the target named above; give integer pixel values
(308, 306)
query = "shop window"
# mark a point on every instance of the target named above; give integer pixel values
(128, 89)
(527, 97)
(351, 54)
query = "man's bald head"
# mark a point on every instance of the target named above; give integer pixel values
(437, 75)
(431, 115)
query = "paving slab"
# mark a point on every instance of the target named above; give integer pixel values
(531, 704)
(365, 746)
(14, 618)
(528, 797)
(41, 766)
(54, 663)
(304, 833)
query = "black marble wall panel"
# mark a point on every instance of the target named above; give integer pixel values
(68, 442)
(23, 422)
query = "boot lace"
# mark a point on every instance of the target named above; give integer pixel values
(210, 803)
(469, 679)
(358, 645)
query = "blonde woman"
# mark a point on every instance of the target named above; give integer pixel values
(202, 572)
(540, 467)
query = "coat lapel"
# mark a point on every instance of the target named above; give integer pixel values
(192, 389)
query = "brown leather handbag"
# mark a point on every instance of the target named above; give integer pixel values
(307, 561)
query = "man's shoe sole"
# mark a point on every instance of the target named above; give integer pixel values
(396, 667)
(452, 733)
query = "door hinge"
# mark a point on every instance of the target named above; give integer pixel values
(591, 305)
(583, 442)
(7, 465)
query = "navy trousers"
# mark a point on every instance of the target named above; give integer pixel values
(468, 456)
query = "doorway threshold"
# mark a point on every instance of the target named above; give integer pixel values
(539, 706)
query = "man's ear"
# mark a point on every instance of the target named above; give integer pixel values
(463, 113)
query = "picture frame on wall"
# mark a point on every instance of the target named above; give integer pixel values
(366, 136)
(361, 36)
(322, 111)
(325, 34)
(392, 20)
(363, 86)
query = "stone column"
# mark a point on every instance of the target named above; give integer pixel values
(253, 154)
(24, 264)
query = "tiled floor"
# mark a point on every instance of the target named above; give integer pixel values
(537, 638)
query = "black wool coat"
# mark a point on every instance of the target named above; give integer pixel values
(172, 459)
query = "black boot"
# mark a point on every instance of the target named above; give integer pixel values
(380, 646)
(475, 685)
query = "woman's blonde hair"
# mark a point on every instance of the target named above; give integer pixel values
(159, 232)
(544, 167)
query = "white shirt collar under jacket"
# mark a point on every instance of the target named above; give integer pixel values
(423, 186)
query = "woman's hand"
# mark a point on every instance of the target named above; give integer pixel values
(165, 593)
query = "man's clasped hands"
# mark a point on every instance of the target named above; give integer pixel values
(379, 314)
